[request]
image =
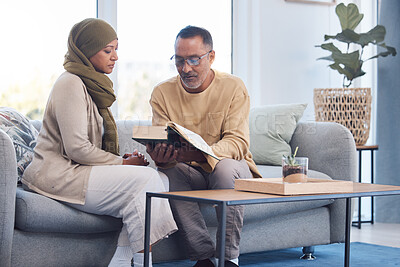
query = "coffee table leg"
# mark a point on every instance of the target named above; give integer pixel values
(222, 233)
(359, 180)
(147, 231)
(372, 181)
(347, 233)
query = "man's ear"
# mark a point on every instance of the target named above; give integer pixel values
(212, 57)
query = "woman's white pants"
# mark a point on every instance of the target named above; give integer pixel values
(120, 191)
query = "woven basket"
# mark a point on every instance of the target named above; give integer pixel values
(350, 107)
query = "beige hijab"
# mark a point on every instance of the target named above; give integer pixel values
(86, 39)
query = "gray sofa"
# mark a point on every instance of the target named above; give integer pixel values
(38, 231)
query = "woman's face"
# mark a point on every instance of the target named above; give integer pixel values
(104, 60)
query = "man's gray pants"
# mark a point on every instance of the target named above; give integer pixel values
(188, 217)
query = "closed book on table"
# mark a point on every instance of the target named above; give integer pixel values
(280, 187)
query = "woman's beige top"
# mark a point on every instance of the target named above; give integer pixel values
(69, 143)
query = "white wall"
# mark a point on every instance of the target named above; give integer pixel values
(275, 54)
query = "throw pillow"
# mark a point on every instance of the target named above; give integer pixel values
(271, 129)
(22, 134)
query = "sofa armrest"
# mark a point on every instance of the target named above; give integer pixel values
(330, 148)
(8, 185)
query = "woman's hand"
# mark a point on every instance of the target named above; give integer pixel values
(136, 158)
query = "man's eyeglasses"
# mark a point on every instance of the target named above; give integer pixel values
(192, 61)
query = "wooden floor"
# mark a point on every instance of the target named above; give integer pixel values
(384, 234)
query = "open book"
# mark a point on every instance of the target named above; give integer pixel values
(170, 134)
(155, 134)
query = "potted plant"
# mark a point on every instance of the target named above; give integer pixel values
(294, 169)
(349, 106)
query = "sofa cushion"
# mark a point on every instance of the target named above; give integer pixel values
(305, 228)
(271, 129)
(259, 212)
(22, 134)
(37, 213)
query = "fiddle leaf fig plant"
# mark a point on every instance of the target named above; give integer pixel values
(349, 63)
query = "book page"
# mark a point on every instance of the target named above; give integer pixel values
(196, 140)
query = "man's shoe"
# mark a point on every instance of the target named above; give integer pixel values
(230, 264)
(204, 263)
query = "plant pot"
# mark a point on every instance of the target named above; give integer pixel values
(350, 107)
(296, 173)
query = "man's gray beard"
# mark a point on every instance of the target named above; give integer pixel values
(195, 87)
(191, 86)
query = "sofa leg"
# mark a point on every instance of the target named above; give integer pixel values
(308, 253)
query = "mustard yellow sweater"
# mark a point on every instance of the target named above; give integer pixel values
(219, 114)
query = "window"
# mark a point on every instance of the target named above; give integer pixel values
(35, 36)
(34, 39)
(146, 34)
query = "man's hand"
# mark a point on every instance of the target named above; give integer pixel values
(162, 152)
(187, 153)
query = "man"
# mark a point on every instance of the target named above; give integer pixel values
(216, 106)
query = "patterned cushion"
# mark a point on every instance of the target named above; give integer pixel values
(23, 135)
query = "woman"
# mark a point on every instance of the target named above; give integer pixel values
(76, 157)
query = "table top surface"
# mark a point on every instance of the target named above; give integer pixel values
(232, 196)
(371, 147)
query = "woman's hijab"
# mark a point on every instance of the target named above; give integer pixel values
(86, 39)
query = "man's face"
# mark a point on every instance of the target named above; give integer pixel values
(193, 77)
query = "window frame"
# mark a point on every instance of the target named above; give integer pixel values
(107, 10)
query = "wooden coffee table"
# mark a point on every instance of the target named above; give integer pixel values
(231, 197)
